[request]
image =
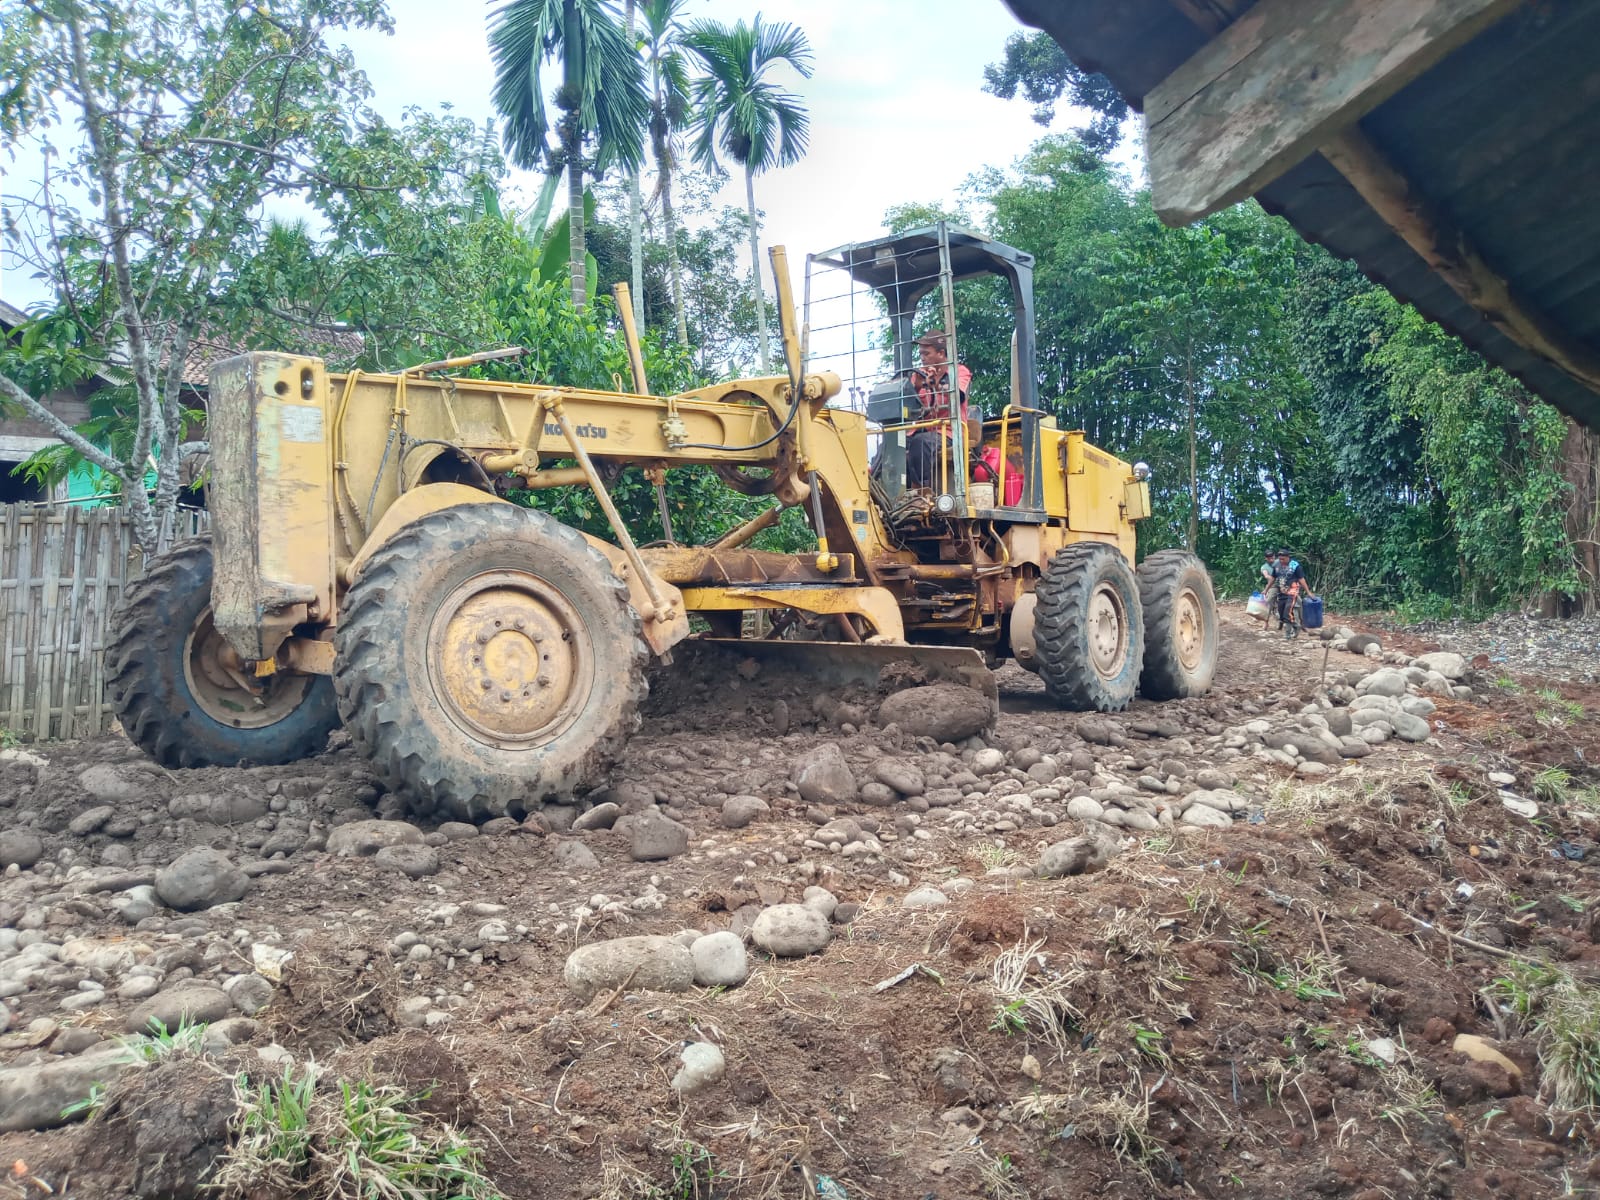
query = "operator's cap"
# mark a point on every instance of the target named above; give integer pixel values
(935, 337)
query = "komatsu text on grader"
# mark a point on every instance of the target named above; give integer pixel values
(364, 568)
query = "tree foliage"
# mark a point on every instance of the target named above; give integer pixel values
(1037, 66)
(1318, 411)
(161, 135)
(601, 99)
(743, 115)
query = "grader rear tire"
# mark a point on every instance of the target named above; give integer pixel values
(1180, 625)
(171, 687)
(1088, 629)
(488, 659)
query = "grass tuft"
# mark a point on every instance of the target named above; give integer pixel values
(1553, 785)
(356, 1142)
(141, 1049)
(1562, 1014)
(1035, 1003)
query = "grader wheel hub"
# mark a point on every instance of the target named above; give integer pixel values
(1190, 628)
(225, 691)
(1108, 631)
(510, 659)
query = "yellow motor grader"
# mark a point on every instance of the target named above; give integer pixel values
(364, 567)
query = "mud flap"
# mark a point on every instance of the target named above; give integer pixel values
(838, 664)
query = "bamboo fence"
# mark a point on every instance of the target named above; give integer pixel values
(62, 571)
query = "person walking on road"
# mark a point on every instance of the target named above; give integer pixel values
(1286, 579)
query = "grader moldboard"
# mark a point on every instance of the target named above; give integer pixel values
(363, 568)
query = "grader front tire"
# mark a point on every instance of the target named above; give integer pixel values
(1180, 625)
(1088, 629)
(180, 694)
(488, 659)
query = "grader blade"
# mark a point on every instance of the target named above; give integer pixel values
(840, 664)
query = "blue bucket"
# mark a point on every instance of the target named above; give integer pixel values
(1311, 612)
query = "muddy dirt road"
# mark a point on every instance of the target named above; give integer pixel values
(1268, 943)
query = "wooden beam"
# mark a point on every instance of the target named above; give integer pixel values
(1285, 77)
(1454, 259)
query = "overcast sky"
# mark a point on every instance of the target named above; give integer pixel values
(897, 107)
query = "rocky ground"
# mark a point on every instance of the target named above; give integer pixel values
(1553, 648)
(1327, 931)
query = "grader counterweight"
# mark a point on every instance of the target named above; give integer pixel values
(365, 568)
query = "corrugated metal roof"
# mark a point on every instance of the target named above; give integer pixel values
(1500, 136)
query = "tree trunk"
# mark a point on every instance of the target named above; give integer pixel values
(1194, 474)
(674, 264)
(635, 216)
(755, 270)
(661, 145)
(1580, 454)
(572, 142)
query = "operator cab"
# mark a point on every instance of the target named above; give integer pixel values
(988, 468)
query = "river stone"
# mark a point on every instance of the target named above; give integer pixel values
(1338, 722)
(574, 856)
(791, 930)
(739, 811)
(249, 993)
(366, 838)
(1205, 817)
(1451, 666)
(601, 816)
(925, 897)
(196, 1003)
(1221, 800)
(877, 795)
(90, 820)
(104, 956)
(111, 786)
(703, 1065)
(650, 963)
(654, 836)
(1418, 706)
(988, 761)
(1079, 856)
(945, 712)
(1387, 682)
(719, 960)
(20, 848)
(1085, 808)
(33, 1097)
(904, 777)
(1363, 717)
(824, 777)
(412, 860)
(1409, 728)
(199, 879)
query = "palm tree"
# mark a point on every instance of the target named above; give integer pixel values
(749, 118)
(669, 115)
(601, 97)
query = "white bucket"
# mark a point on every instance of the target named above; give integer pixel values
(981, 495)
(1256, 606)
